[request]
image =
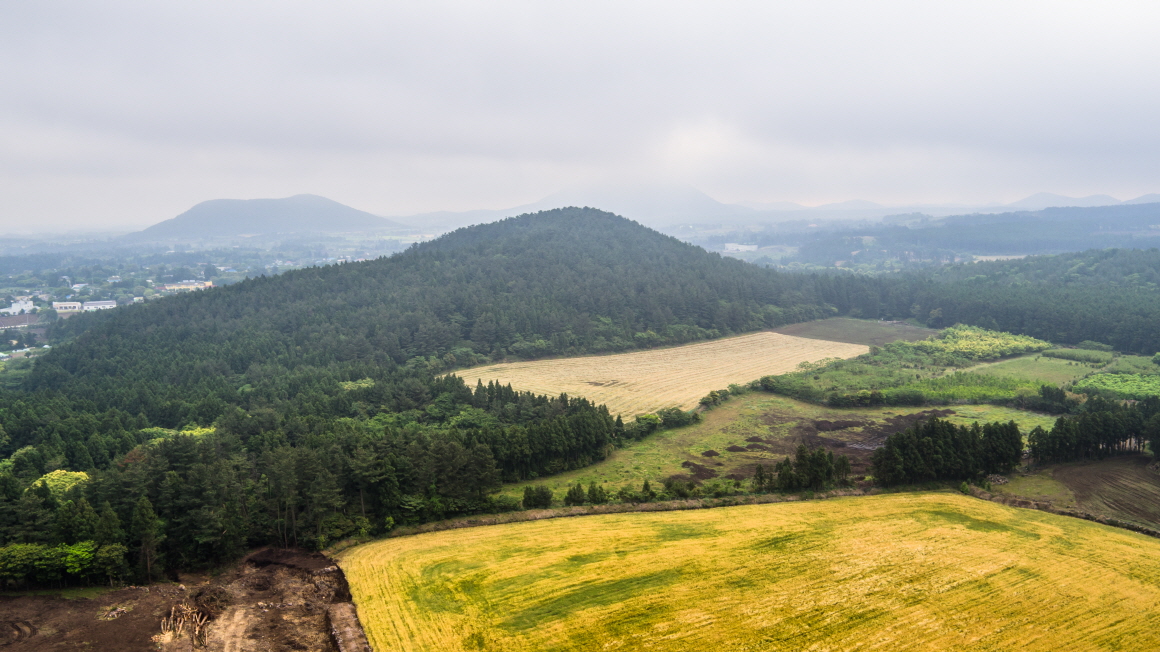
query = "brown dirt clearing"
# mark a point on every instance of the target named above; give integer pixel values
(273, 600)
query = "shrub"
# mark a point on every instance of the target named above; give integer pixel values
(1120, 386)
(596, 494)
(1080, 355)
(575, 496)
(676, 417)
(537, 497)
(501, 503)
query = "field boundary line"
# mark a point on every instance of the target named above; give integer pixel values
(530, 515)
(526, 516)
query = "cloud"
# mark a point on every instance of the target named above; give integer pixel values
(128, 112)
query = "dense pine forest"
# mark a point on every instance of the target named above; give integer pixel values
(302, 408)
(313, 405)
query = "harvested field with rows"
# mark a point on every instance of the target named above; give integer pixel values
(644, 381)
(1123, 487)
(927, 571)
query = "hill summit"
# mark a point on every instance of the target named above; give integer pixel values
(561, 282)
(240, 217)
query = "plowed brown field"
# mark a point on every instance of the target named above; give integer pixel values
(644, 381)
(1122, 487)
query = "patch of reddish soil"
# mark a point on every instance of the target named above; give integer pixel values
(699, 471)
(274, 600)
(829, 426)
(710, 453)
(736, 449)
(43, 622)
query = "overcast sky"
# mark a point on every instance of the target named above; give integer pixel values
(121, 113)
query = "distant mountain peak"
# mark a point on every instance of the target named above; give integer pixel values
(242, 217)
(1041, 200)
(1150, 198)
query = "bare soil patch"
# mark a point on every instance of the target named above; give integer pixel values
(697, 471)
(273, 600)
(120, 620)
(854, 438)
(1122, 487)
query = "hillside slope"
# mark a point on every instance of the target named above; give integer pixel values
(236, 217)
(558, 282)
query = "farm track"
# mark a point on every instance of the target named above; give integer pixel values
(644, 381)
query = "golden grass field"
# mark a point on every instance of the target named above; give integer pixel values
(915, 571)
(644, 381)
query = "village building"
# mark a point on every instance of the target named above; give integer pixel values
(185, 286)
(18, 307)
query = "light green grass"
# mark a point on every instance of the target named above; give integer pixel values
(1132, 364)
(899, 572)
(1053, 371)
(1040, 486)
(1122, 386)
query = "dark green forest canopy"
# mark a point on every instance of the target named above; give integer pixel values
(568, 281)
(561, 282)
(324, 385)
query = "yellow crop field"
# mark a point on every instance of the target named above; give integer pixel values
(929, 571)
(644, 381)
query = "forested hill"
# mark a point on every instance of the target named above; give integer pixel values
(321, 409)
(567, 281)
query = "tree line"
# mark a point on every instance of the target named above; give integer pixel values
(940, 450)
(1103, 428)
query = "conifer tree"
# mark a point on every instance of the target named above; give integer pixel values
(108, 528)
(146, 531)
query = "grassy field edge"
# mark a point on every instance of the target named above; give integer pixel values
(688, 504)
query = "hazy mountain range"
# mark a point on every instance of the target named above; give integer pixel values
(666, 207)
(662, 206)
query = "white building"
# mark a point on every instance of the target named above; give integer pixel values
(18, 307)
(98, 305)
(66, 306)
(185, 286)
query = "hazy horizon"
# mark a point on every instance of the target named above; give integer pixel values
(124, 114)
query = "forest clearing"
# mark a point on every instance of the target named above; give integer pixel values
(644, 381)
(840, 574)
(1042, 369)
(762, 428)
